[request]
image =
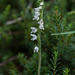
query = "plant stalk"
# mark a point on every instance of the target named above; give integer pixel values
(39, 43)
(39, 53)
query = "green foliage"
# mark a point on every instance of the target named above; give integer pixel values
(59, 16)
(71, 32)
(4, 15)
(66, 71)
(12, 72)
(55, 64)
(30, 64)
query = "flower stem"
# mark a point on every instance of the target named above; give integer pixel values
(39, 43)
(39, 53)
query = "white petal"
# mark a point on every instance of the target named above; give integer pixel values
(40, 7)
(36, 18)
(34, 30)
(34, 37)
(37, 14)
(36, 9)
(41, 22)
(36, 49)
(41, 27)
(42, 3)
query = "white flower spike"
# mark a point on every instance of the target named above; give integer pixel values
(36, 49)
(37, 13)
(34, 30)
(34, 37)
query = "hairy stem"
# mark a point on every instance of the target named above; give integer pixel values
(39, 43)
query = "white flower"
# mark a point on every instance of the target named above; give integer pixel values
(34, 30)
(37, 13)
(34, 37)
(36, 49)
(36, 18)
(41, 22)
(42, 3)
(40, 7)
(36, 9)
(41, 27)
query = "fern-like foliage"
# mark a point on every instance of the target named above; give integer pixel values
(55, 64)
(30, 65)
(66, 71)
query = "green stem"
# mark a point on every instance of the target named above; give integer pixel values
(39, 53)
(39, 43)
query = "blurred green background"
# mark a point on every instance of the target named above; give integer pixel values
(16, 48)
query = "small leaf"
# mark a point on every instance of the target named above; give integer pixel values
(63, 33)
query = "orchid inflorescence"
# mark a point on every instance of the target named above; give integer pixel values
(39, 20)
